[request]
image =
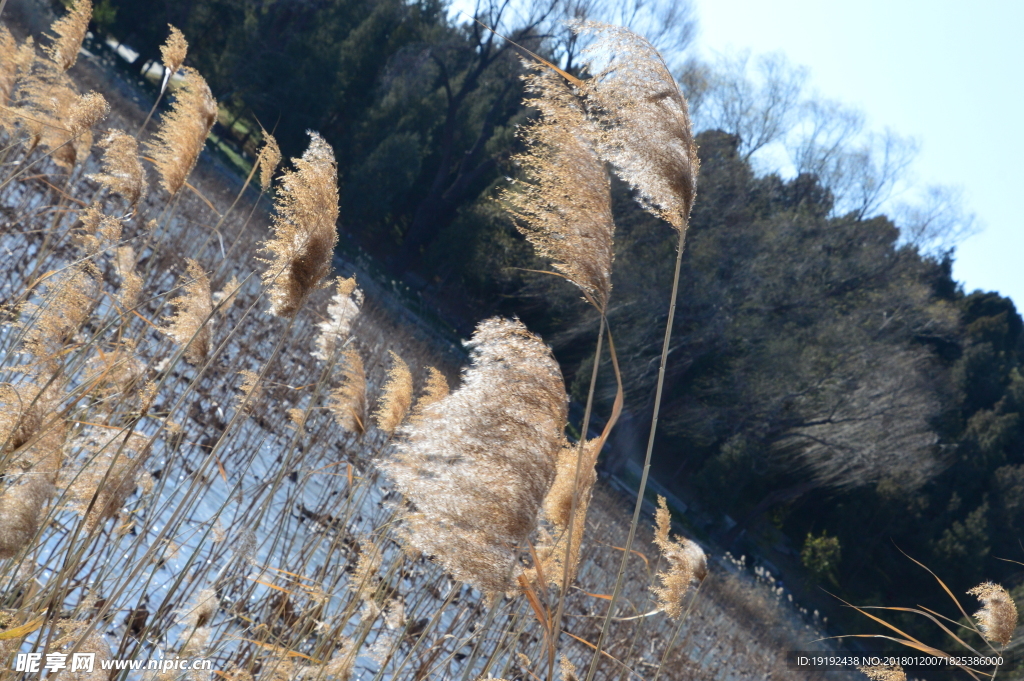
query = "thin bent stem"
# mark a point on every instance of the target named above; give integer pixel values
(647, 460)
(574, 505)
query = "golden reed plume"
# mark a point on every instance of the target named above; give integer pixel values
(305, 232)
(477, 466)
(183, 131)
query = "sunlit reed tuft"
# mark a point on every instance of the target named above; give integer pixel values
(564, 206)
(123, 173)
(183, 131)
(396, 397)
(21, 509)
(645, 120)
(341, 312)
(190, 324)
(70, 31)
(268, 159)
(889, 672)
(347, 402)
(686, 564)
(477, 466)
(173, 51)
(998, 618)
(305, 232)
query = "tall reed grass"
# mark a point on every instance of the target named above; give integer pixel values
(205, 453)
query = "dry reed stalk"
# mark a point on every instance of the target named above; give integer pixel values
(998, 618)
(646, 132)
(396, 397)
(305, 232)
(190, 325)
(183, 131)
(478, 465)
(687, 563)
(123, 173)
(564, 206)
(341, 312)
(347, 402)
(70, 31)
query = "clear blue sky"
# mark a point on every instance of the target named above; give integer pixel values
(950, 74)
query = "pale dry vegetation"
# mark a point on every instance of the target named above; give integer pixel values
(213, 450)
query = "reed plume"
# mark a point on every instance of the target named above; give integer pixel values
(305, 233)
(190, 324)
(66, 306)
(123, 173)
(396, 397)
(478, 465)
(131, 281)
(435, 390)
(225, 298)
(347, 402)
(108, 475)
(687, 563)
(341, 312)
(251, 390)
(268, 160)
(888, 672)
(998, 618)
(646, 132)
(564, 206)
(173, 51)
(21, 509)
(70, 31)
(556, 557)
(183, 131)
(56, 116)
(8, 65)
(32, 428)
(93, 643)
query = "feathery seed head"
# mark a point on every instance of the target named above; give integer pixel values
(348, 401)
(435, 390)
(183, 131)
(109, 473)
(645, 120)
(305, 232)
(998, 618)
(686, 559)
(341, 312)
(564, 207)
(251, 390)
(70, 30)
(66, 306)
(396, 398)
(225, 297)
(202, 609)
(21, 509)
(123, 172)
(190, 324)
(269, 159)
(174, 49)
(477, 466)
(88, 111)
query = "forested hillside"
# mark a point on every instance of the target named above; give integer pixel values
(831, 387)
